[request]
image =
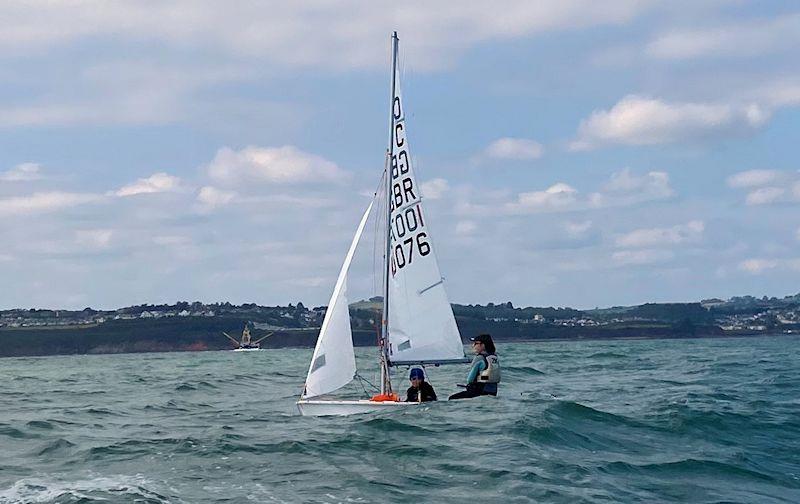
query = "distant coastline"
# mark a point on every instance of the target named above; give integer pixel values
(198, 327)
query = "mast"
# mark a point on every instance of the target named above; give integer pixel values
(386, 384)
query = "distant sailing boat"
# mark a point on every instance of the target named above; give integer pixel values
(417, 325)
(246, 344)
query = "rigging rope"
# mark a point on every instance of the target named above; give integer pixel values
(361, 381)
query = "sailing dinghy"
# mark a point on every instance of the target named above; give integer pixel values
(417, 327)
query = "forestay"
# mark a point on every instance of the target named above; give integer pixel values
(333, 364)
(421, 323)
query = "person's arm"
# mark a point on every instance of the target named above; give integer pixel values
(430, 392)
(477, 367)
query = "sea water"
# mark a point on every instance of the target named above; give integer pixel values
(706, 420)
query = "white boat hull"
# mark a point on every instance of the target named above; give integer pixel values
(246, 349)
(309, 407)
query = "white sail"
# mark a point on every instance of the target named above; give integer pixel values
(421, 322)
(333, 364)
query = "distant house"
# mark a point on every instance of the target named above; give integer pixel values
(147, 314)
(184, 313)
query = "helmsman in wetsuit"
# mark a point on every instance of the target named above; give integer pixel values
(484, 375)
(420, 390)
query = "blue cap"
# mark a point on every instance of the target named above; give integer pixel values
(416, 373)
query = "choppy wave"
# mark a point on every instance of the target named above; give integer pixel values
(629, 421)
(524, 370)
(99, 489)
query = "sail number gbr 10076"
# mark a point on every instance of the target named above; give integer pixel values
(408, 238)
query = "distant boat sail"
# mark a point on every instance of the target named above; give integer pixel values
(418, 326)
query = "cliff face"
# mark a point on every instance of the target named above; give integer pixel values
(198, 334)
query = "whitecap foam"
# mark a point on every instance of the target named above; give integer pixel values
(99, 488)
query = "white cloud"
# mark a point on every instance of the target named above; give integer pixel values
(639, 257)
(515, 148)
(44, 202)
(732, 40)
(128, 91)
(466, 227)
(24, 172)
(310, 282)
(112, 110)
(757, 266)
(625, 181)
(94, 238)
(785, 93)
(171, 240)
(345, 34)
(627, 188)
(559, 196)
(624, 188)
(689, 232)
(765, 195)
(638, 120)
(211, 197)
(277, 165)
(244, 42)
(768, 186)
(577, 228)
(576, 265)
(434, 189)
(753, 178)
(157, 183)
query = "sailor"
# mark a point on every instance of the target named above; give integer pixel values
(420, 390)
(484, 375)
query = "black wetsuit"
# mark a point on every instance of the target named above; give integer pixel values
(476, 389)
(427, 393)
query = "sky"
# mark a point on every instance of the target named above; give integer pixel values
(571, 153)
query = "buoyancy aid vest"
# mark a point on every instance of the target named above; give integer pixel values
(492, 372)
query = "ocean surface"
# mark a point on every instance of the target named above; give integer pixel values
(708, 420)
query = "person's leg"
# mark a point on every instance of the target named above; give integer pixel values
(464, 394)
(489, 389)
(472, 391)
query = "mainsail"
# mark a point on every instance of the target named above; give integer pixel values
(421, 324)
(333, 364)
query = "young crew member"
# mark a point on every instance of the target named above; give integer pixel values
(420, 390)
(484, 375)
